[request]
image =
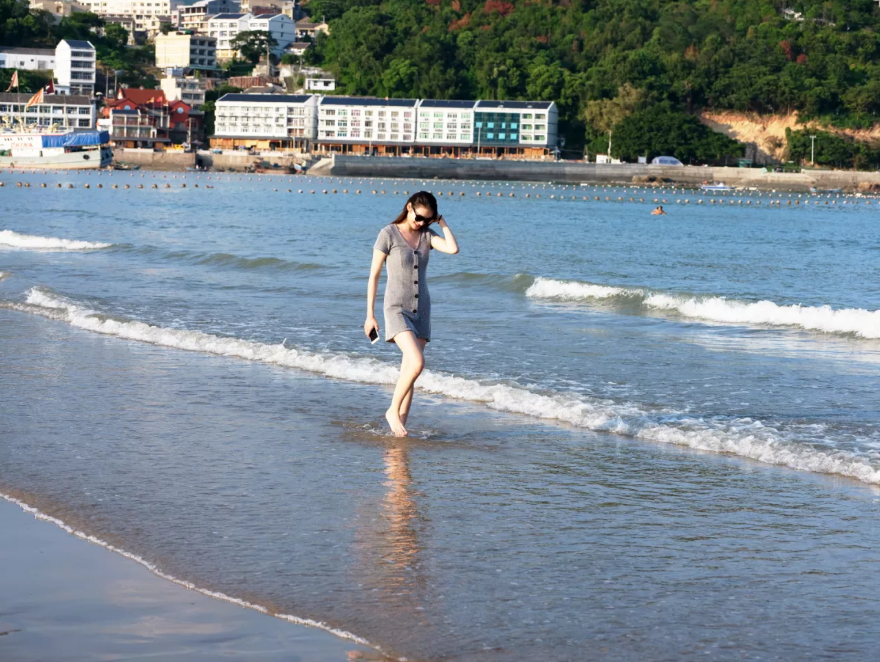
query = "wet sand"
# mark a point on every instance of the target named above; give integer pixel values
(63, 598)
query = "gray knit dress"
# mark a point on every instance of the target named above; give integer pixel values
(407, 302)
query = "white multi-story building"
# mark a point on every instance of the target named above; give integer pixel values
(188, 89)
(446, 122)
(75, 66)
(67, 112)
(265, 121)
(320, 84)
(224, 28)
(363, 121)
(281, 27)
(186, 50)
(195, 17)
(27, 59)
(147, 13)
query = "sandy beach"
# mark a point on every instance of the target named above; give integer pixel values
(63, 598)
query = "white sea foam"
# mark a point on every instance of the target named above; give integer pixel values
(32, 242)
(743, 437)
(3, 275)
(181, 582)
(854, 321)
(570, 290)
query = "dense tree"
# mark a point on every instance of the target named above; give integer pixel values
(748, 55)
(253, 44)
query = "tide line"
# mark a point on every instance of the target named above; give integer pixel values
(38, 514)
(35, 242)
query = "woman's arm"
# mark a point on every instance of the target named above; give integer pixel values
(372, 286)
(446, 243)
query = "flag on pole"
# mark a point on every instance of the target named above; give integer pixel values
(50, 88)
(14, 81)
(34, 100)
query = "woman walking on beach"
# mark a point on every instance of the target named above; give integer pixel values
(404, 245)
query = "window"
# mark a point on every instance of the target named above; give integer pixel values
(513, 136)
(437, 136)
(368, 134)
(464, 136)
(490, 125)
(540, 116)
(342, 134)
(526, 127)
(368, 123)
(450, 136)
(329, 112)
(540, 127)
(343, 112)
(395, 126)
(504, 125)
(408, 114)
(355, 133)
(490, 136)
(479, 125)
(422, 136)
(539, 138)
(438, 125)
(394, 113)
(84, 124)
(424, 115)
(368, 113)
(381, 126)
(438, 114)
(501, 136)
(356, 113)
(513, 125)
(527, 116)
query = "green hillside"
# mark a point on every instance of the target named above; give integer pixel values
(820, 58)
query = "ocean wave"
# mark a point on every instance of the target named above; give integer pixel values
(743, 437)
(824, 319)
(38, 514)
(32, 242)
(3, 275)
(228, 260)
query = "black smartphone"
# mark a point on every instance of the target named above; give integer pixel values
(374, 336)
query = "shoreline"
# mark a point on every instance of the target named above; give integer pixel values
(567, 172)
(63, 595)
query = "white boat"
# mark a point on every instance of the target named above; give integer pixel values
(720, 186)
(75, 150)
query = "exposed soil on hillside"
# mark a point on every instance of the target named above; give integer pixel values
(767, 132)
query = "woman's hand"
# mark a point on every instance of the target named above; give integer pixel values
(441, 222)
(371, 324)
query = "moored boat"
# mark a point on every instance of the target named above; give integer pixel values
(717, 186)
(74, 150)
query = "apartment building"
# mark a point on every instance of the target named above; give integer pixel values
(67, 112)
(265, 121)
(281, 27)
(519, 125)
(446, 122)
(178, 87)
(27, 59)
(359, 125)
(148, 14)
(225, 28)
(195, 17)
(186, 50)
(75, 66)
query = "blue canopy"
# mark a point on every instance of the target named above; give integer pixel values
(77, 139)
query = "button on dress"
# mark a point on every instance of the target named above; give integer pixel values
(407, 301)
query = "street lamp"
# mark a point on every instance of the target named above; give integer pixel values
(812, 150)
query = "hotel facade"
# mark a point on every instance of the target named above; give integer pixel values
(393, 127)
(265, 121)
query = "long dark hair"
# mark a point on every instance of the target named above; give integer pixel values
(420, 199)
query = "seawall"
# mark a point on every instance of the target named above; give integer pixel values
(148, 159)
(576, 172)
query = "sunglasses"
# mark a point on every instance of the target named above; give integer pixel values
(423, 219)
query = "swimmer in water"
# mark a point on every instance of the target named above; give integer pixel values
(658, 211)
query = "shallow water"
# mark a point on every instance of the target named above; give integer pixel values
(579, 480)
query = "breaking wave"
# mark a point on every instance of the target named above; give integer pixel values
(744, 437)
(824, 319)
(228, 260)
(32, 242)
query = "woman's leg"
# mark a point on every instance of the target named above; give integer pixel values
(410, 368)
(407, 399)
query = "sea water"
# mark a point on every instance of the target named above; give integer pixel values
(637, 437)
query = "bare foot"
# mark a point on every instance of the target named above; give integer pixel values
(393, 419)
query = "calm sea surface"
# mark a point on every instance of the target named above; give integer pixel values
(638, 437)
